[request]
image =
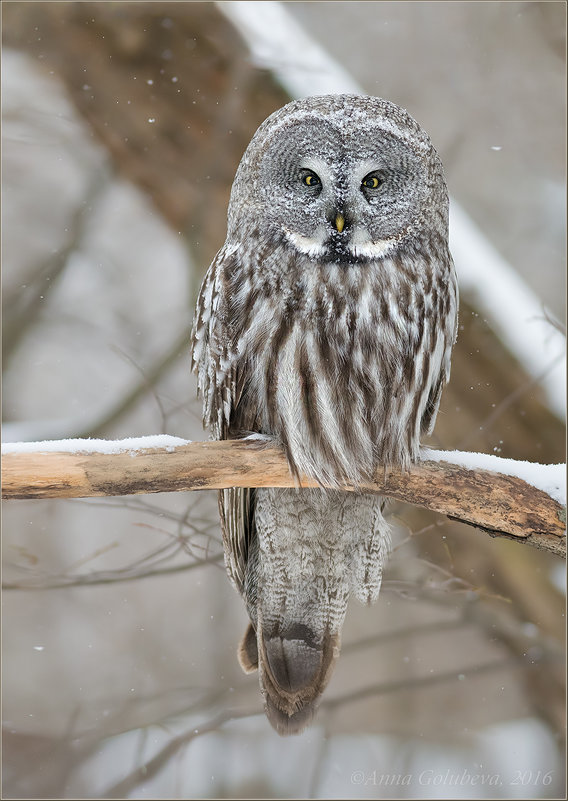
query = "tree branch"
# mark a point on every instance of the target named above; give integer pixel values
(502, 505)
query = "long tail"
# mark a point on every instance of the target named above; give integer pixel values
(314, 548)
(294, 672)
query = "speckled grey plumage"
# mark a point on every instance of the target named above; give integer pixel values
(326, 321)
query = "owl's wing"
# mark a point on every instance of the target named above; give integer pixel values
(220, 382)
(211, 343)
(449, 332)
(236, 508)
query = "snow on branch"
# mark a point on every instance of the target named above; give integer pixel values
(519, 500)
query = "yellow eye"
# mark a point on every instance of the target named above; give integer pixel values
(371, 182)
(310, 179)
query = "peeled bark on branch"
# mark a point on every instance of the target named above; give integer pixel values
(502, 505)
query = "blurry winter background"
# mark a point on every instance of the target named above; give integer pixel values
(123, 124)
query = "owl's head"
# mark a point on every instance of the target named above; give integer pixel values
(343, 178)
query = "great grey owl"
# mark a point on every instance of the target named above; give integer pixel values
(326, 322)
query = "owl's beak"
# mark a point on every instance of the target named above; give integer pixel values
(339, 222)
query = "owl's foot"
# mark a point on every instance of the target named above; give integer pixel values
(267, 438)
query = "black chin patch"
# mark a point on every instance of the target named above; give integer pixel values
(337, 251)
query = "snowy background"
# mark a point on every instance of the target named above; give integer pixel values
(122, 128)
